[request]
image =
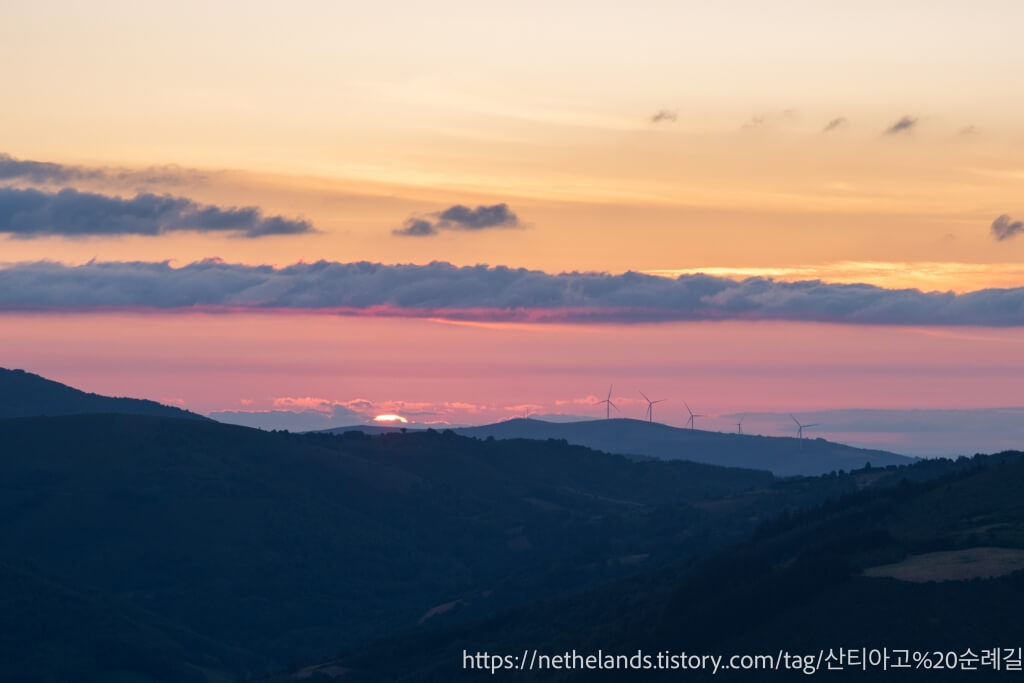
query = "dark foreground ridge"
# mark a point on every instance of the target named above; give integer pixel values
(932, 565)
(168, 549)
(242, 550)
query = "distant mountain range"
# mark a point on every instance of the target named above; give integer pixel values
(23, 394)
(783, 456)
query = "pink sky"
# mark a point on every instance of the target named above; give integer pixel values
(472, 373)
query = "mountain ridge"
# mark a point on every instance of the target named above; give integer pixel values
(26, 394)
(780, 455)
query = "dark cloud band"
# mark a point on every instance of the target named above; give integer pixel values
(486, 293)
(33, 213)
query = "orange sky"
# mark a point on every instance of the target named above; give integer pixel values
(359, 115)
(778, 152)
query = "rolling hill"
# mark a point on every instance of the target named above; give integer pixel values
(23, 394)
(280, 547)
(782, 456)
(929, 565)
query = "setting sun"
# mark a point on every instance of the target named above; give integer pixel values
(390, 418)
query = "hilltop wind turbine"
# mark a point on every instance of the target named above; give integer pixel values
(650, 407)
(801, 427)
(692, 415)
(608, 405)
(739, 425)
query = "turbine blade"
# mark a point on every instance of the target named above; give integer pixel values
(614, 406)
(645, 396)
(796, 420)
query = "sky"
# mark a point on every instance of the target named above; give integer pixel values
(455, 209)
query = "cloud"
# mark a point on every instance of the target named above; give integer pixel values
(1004, 227)
(969, 131)
(665, 115)
(835, 123)
(772, 118)
(46, 173)
(904, 125)
(482, 293)
(30, 213)
(756, 121)
(416, 227)
(459, 217)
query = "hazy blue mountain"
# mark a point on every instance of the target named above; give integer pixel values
(924, 433)
(783, 456)
(293, 421)
(23, 394)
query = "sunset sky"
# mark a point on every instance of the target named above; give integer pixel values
(165, 168)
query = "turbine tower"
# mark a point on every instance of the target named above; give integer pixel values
(608, 405)
(692, 415)
(801, 427)
(650, 407)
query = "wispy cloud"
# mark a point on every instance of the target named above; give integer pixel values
(459, 217)
(49, 173)
(771, 118)
(834, 124)
(665, 116)
(30, 213)
(904, 125)
(441, 290)
(756, 121)
(306, 413)
(1004, 227)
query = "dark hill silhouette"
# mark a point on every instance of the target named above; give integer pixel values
(783, 456)
(816, 580)
(23, 394)
(54, 631)
(286, 546)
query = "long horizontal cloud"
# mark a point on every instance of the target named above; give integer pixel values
(459, 217)
(46, 172)
(33, 213)
(486, 293)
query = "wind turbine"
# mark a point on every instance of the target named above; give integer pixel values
(692, 415)
(801, 427)
(739, 425)
(650, 406)
(608, 405)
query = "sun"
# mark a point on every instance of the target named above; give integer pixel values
(390, 418)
